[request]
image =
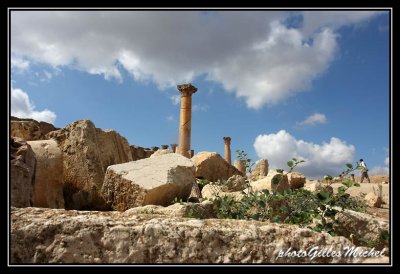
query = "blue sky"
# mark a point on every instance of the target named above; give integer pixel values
(312, 85)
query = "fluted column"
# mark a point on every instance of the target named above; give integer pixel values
(227, 149)
(185, 121)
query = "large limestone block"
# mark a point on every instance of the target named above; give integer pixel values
(373, 200)
(30, 129)
(362, 227)
(260, 170)
(87, 152)
(296, 180)
(22, 171)
(155, 181)
(43, 236)
(48, 190)
(200, 210)
(275, 181)
(211, 191)
(211, 166)
(161, 152)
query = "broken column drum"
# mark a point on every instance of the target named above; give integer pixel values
(186, 91)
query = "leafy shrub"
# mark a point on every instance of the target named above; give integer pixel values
(300, 206)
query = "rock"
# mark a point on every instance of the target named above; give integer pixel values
(385, 182)
(373, 200)
(161, 152)
(22, 172)
(87, 152)
(364, 227)
(201, 210)
(138, 153)
(48, 190)
(296, 180)
(211, 166)
(211, 191)
(54, 236)
(30, 129)
(240, 165)
(313, 186)
(195, 194)
(260, 170)
(157, 181)
(275, 181)
(236, 183)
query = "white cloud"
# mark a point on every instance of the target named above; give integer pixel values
(316, 118)
(19, 64)
(321, 159)
(22, 107)
(378, 170)
(176, 99)
(312, 20)
(247, 52)
(200, 107)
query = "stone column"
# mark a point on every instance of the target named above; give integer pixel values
(185, 121)
(227, 149)
(173, 147)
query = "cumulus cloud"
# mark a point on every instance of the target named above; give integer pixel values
(316, 118)
(321, 159)
(23, 107)
(312, 21)
(254, 54)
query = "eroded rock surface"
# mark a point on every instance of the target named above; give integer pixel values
(48, 190)
(211, 166)
(22, 172)
(58, 236)
(87, 152)
(30, 129)
(156, 180)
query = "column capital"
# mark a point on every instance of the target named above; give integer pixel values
(227, 140)
(186, 89)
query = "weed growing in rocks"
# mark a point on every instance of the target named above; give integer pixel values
(300, 206)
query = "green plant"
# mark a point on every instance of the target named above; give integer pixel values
(291, 164)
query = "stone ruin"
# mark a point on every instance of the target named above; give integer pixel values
(81, 167)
